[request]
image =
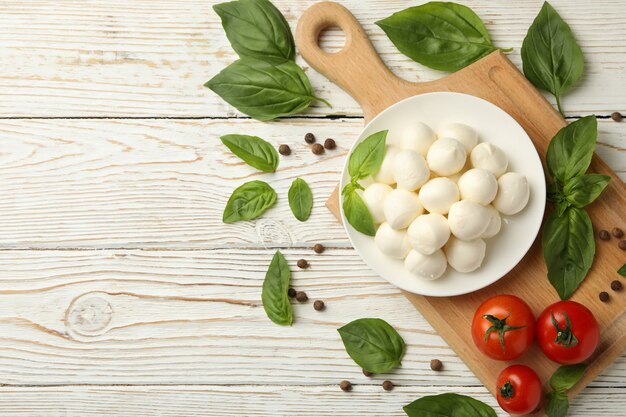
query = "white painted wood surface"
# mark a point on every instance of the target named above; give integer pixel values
(122, 293)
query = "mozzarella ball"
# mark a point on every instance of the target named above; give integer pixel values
(401, 207)
(428, 267)
(478, 185)
(489, 157)
(410, 170)
(374, 198)
(394, 138)
(391, 242)
(463, 133)
(495, 223)
(428, 233)
(468, 220)
(446, 156)
(438, 194)
(465, 255)
(513, 193)
(385, 173)
(418, 137)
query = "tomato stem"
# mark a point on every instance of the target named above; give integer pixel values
(500, 326)
(564, 336)
(507, 390)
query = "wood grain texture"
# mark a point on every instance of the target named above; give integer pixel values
(150, 58)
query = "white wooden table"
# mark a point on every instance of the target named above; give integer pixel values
(122, 293)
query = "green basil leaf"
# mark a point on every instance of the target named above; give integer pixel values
(368, 155)
(560, 207)
(274, 294)
(249, 201)
(442, 36)
(583, 190)
(448, 405)
(373, 344)
(257, 29)
(570, 151)
(262, 90)
(568, 249)
(558, 405)
(566, 376)
(622, 270)
(551, 58)
(357, 212)
(300, 199)
(253, 150)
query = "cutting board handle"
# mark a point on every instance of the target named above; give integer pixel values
(356, 68)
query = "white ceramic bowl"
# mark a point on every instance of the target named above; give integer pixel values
(518, 232)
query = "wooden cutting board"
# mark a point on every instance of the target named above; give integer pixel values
(358, 69)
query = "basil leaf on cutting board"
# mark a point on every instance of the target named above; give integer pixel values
(558, 405)
(551, 58)
(274, 294)
(570, 151)
(249, 201)
(566, 376)
(253, 150)
(584, 189)
(373, 344)
(368, 156)
(568, 249)
(300, 199)
(357, 212)
(622, 270)
(442, 36)
(262, 90)
(448, 405)
(257, 29)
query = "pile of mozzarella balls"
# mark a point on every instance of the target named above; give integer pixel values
(437, 197)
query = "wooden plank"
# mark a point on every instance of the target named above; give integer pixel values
(195, 317)
(164, 183)
(150, 58)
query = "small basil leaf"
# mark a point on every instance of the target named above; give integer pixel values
(368, 155)
(583, 190)
(257, 29)
(262, 90)
(300, 199)
(373, 344)
(570, 151)
(551, 58)
(274, 294)
(442, 36)
(249, 201)
(558, 405)
(357, 212)
(622, 270)
(253, 150)
(566, 376)
(568, 249)
(560, 207)
(448, 405)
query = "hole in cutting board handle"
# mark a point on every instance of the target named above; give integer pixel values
(331, 39)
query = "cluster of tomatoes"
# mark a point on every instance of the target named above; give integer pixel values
(504, 328)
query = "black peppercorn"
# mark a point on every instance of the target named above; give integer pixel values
(617, 232)
(302, 263)
(284, 150)
(604, 296)
(387, 385)
(616, 285)
(319, 305)
(345, 386)
(367, 373)
(317, 149)
(309, 138)
(330, 143)
(604, 235)
(622, 244)
(616, 116)
(291, 292)
(301, 296)
(436, 365)
(318, 248)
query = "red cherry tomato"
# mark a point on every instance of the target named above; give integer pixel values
(503, 327)
(567, 332)
(519, 390)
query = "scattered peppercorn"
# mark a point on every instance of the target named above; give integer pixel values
(284, 150)
(302, 263)
(617, 232)
(345, 386)
(302, 297)
(436, 365)
(367, 373)
(604, 296)
(387, 385)
(318, 248)
(616, 285)
(604, 235)
(319, 305)
(330, 143)
(622, 244)
(317, 149)
(291, 292)
(616, 116)
(309, 138)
